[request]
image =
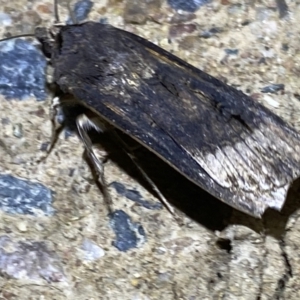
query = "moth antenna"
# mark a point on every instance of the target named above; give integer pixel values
(56, 14)
(18, 36)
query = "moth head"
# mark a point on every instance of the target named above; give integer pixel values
(47, 37)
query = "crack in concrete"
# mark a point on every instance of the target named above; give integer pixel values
(261, 273)
(287, 274)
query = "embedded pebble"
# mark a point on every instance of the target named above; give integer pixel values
(20, 196)
(135, 196)
(128, 233)
(45, 8)
(32, 18)
(138, 12)
(22, 70)
(181, 29)
(282, 8)
(273, 88)
(182, 17)
(18, 130)
(81, 9)
(135, 13)
(5, 19)
(231, 51)
(29, 260)
(187, 5)
(91, 250)
(22, 226)
(208, 33)
(262, 14)
(271, 101)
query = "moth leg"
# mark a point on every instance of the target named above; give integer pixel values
(56, 127)
(161, 197)
(96, 156)
(83, 123)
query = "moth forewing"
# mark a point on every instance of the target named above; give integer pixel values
(213, 134)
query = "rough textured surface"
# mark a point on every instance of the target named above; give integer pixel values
(219, 252)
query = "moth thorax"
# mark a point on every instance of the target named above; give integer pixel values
(47, 37)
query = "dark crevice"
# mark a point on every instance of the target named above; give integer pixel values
(282, 282)
(286, 259)
(262, 268)
(224, 244)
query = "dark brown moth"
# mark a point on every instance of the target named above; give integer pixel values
(213, 134)
(216, 136)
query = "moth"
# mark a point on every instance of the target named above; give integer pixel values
(213, 134)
